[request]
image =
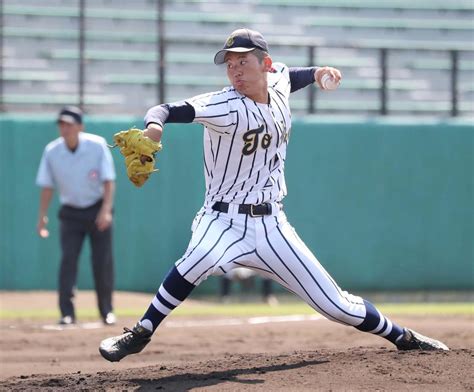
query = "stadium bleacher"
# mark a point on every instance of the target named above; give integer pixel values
(41, 51)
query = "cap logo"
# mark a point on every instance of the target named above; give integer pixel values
(229, 42)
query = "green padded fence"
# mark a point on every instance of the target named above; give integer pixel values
(385, 205)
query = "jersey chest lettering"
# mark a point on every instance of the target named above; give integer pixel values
(252, 140)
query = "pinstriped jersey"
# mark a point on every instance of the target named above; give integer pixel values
(245, 142)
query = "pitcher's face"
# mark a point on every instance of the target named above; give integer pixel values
(246, 73)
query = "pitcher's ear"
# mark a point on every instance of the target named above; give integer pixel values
(267, 62)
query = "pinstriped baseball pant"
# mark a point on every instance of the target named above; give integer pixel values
(270, 246)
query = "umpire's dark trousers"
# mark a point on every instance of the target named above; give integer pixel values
(75, 225)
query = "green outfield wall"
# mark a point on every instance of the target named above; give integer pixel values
(384, 204)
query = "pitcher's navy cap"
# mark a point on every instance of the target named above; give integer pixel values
(71, 115)
(241, 41)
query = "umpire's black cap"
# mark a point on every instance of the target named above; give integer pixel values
(71, 115)
(241, 40)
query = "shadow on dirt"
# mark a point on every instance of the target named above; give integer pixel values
(188, 381)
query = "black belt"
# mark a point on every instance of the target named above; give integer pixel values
(249, 209)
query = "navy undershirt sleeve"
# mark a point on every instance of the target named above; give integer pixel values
(180, 112)
(301, 77)
(177, 112)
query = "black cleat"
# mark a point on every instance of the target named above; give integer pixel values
(411, 340)
(132, 341)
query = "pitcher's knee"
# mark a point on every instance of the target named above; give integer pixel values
(344, 312)
(196, 273)
(345, 318)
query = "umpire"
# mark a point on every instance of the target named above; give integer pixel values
(80, 166)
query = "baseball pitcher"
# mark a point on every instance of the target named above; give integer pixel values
(247, 128)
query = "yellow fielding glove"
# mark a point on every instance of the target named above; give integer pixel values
(139, 152)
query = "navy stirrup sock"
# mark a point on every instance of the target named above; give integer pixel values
(378, 324)
(174, 290)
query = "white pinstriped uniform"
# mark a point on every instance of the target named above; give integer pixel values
(243, 166)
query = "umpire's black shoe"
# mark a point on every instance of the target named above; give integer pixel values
(411, 340)
(109, 319)
(132, 341)
(67, 320)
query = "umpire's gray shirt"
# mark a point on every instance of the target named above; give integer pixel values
(78, 176)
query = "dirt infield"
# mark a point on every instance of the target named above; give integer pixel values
(214, 355)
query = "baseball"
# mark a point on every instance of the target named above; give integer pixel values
(328, 82)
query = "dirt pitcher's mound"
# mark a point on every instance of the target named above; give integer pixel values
(324, 370)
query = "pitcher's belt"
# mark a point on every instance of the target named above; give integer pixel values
(249, 209)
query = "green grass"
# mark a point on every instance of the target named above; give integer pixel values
(250, 309)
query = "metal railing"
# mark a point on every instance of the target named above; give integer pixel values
(163, 43)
